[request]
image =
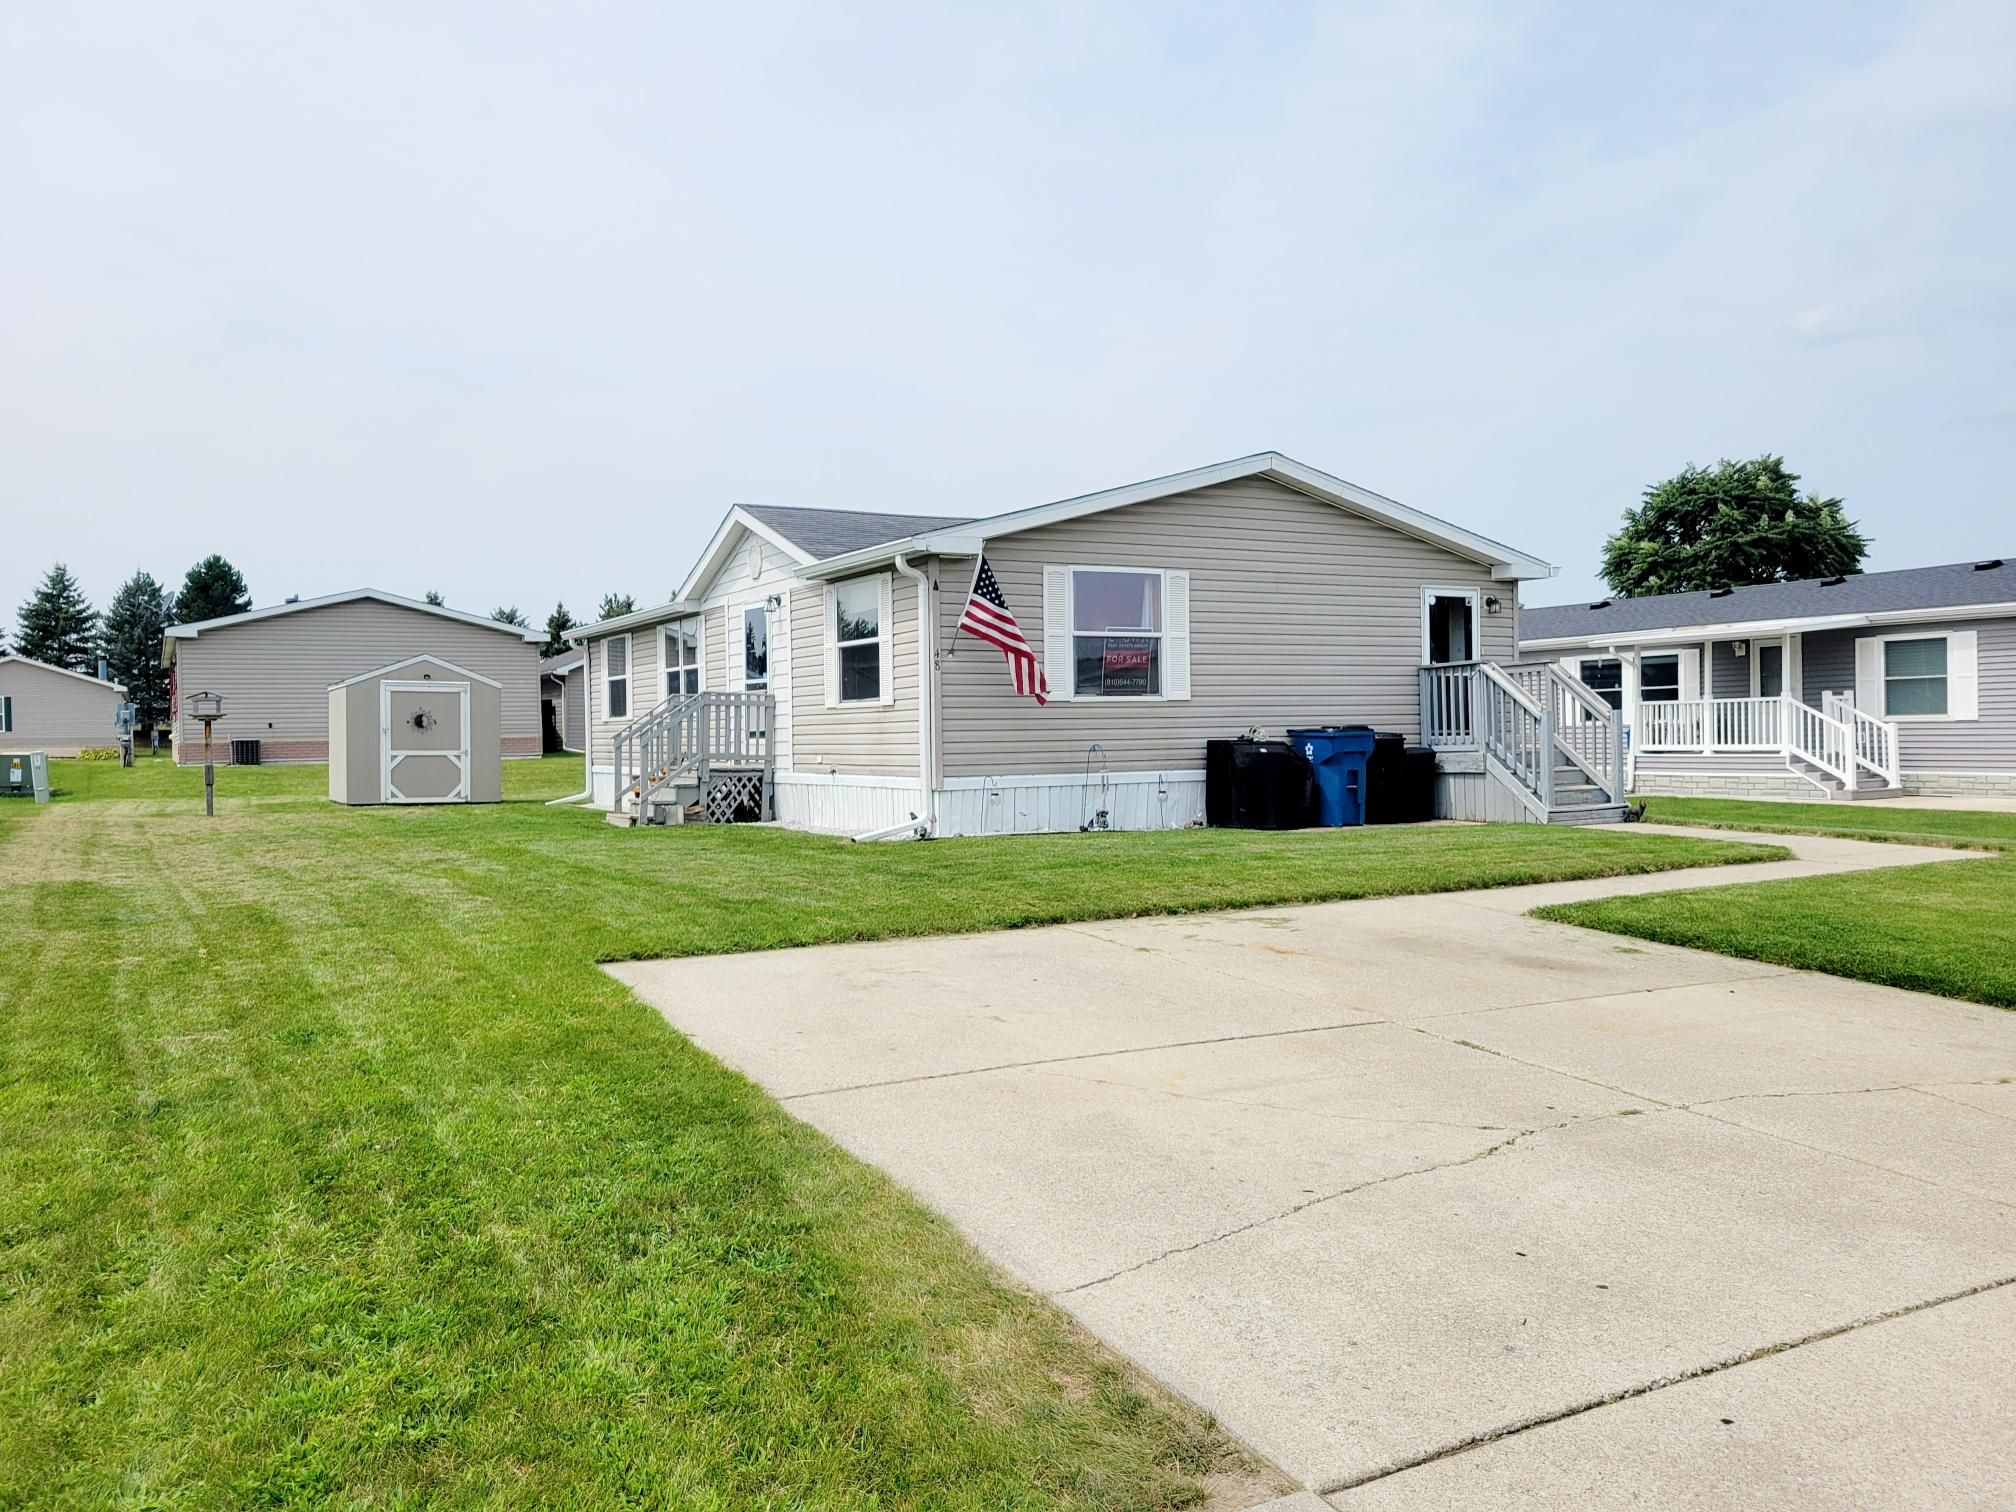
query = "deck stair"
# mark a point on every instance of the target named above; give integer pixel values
(697, 756)
(1549, 742)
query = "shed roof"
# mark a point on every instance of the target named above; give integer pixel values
(1957, 585)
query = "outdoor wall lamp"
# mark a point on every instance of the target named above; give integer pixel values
(1492, 603)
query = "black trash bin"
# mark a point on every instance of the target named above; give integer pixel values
(1257, 784)
(1419, 784)
(1386, 780)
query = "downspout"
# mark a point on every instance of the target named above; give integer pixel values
(587, 734)
(927, 676)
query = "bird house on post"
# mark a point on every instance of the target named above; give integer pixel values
(208, 707)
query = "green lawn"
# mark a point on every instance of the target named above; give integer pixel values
(1939, 928)
(1857, 821)
(337, 1175)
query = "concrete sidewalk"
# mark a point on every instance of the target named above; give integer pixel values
(1377, 1181)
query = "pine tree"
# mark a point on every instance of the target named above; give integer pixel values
(558, 623)
(511, 616)
(1730, 526)
(58, 624)
(134, 620)
(212, 590)
(614, 604)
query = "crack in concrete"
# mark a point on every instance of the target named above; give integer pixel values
(1302, 1207)
(1659, 1383)
(1986, 1081)
(1273, 1107)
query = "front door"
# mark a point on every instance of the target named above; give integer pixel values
(1448, 625)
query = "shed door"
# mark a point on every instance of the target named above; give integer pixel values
(424, 735)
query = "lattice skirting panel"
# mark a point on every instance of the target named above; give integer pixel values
(734, 798)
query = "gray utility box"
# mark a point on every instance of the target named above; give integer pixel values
(25, 774)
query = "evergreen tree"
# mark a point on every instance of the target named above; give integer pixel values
(58, 624)
(614, 604)
(512, 616)
(1729, 526)
(558, 623)
(212, 590)
(434, 598)
(134, 620)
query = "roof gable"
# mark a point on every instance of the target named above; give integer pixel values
(19, 660)
(967, 538)
(196, 628)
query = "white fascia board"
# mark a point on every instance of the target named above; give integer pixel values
(637, 619)
(723, 541)
(196, 627)
(29, 661)
(1750, 629)
(439, 661)
(1505, 563)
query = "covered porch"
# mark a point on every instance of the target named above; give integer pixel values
(1750, 715)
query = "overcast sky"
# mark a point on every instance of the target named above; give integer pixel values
(513, 301)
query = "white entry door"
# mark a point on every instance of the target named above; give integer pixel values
(423, 733)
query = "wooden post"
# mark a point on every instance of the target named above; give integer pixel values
(209, 776)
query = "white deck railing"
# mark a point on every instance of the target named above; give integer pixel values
(1839, 739)
(1532, 719)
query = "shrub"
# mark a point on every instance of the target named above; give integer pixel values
(99, 753)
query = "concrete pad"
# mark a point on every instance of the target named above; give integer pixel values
(1912, 1413)
(1913, 1132)
(1997, 1097)
(1791, 1032)
(849, 1015)
(1360, 1334)
(1071, 1172)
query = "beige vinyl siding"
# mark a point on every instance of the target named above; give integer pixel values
(56, 713)
(865, 739)
(275, 673)
(1300, 614)
(647, 686)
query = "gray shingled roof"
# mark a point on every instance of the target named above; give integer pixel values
(831, 532)
(1954, 586)
(551, 665)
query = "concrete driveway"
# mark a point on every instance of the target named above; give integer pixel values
(1438, 1205)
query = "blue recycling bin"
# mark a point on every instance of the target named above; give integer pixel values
(1339, 753)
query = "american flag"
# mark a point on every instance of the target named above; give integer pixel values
(987, 616)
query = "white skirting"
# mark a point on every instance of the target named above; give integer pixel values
(845, 805)
(1061, 801)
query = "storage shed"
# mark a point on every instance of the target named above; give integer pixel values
(422, 730)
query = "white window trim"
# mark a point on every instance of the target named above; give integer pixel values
(628, 678)
(1071, 572)
(1954, 677)
(1431, 592)
(6, 713)
(1753, 653)
(740, 669)
(885, 641)
(699, 624)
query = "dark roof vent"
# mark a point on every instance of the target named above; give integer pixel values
(1720, 592)
(293, 598)
(1988, 566)
(1600, 604)
(1833, 582)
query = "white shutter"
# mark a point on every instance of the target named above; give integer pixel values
(1963, 676)
(1795, 666)
(6, 713)
(1869, 677)
(1176, 635)
(1057, 658)
(885, 626)
(829, 639)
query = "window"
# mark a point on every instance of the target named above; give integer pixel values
(1116, 630)
(616, 677)
(857, 638)
(682, 658)
(756, 649)
(6, 714)
(1604, 676)
(1914, 677)
(1770, 665)
(1659, 679)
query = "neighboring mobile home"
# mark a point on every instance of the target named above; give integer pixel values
(45, 708)
(563, 702)
(814, 657)
(1858, 685)
(274, 668)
